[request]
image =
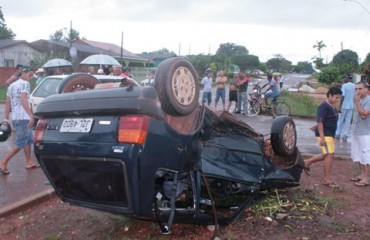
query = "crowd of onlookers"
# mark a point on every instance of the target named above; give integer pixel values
(238, 90)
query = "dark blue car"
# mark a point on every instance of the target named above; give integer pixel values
(155, 153)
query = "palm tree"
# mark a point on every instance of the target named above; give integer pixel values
(319, 45)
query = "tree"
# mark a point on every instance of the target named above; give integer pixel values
(319, 61)
(245, 61)
(57, 36)
(303, 67)
(163, 51)
(279, 64)
(319, 45)
(230, 49)
(346, 60)
(62, 35)
(5, 32)
(200, 62)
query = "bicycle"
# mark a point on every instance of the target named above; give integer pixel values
(277, 107)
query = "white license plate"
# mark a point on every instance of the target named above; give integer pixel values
(82, 125)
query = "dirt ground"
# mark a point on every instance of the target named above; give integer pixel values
(311, 211)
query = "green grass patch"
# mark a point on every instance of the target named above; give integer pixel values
(301, 104)
(3, 92)
(4, 88)
(283, 201)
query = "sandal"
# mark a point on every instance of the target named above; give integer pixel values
(361, 184)
(34, 166)
(4, 171)
(355, 179)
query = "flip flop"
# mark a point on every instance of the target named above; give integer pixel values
(34, 166)
(361, 184)
(4, 171)
(355, 179)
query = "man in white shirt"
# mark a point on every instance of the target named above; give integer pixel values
(207, 88)
(18, 100)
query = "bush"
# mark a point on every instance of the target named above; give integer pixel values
(329, 75)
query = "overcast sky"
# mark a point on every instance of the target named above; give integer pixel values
(265, 27)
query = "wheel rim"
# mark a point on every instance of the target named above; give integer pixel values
(183, 86)
(289, 136)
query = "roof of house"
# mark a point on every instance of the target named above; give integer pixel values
(156, 56)
(113, 49)
(10, 43)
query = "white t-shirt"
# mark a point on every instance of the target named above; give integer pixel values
(207, 84)
(14, 93)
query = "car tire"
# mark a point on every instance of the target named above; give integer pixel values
(283, 136)
(177, 86)
(77, 82)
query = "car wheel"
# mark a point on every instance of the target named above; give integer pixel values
(77, 82)
(283, 136)
(177, 86)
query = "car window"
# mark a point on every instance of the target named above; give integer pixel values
(47, 87)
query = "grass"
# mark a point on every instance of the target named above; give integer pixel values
(4, 88)
(301, 104)
(284, 201)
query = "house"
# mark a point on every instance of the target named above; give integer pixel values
(13, 52)
(125, 57)
(154, 59)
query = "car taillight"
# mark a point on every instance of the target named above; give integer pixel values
(133, 129)
(40, 129)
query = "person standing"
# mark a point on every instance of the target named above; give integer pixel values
(207, 88)
(346, 109)
(281, 81)
(233, 92)
(242, 92)
(326, 118)
(221, 91)
(16, 75)
(91, 70)
(18, 100)
(40, 75)
(360, 145)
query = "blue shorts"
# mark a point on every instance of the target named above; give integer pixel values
(23, 134)
(271, 94)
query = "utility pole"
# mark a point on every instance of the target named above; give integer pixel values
(70, 35)
(121, 49)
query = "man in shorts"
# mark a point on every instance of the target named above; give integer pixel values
(326, 118)
(18, 100)
(360, 146)
(233, 92)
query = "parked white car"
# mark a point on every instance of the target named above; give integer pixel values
(57, 84)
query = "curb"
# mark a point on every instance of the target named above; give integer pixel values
(27, 203)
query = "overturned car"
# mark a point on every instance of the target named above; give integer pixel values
(156, 154)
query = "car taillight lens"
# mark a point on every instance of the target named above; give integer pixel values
(40, 129)
(133, 129)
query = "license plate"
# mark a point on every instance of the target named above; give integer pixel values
(82, 125)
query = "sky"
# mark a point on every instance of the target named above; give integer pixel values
(265, 28)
